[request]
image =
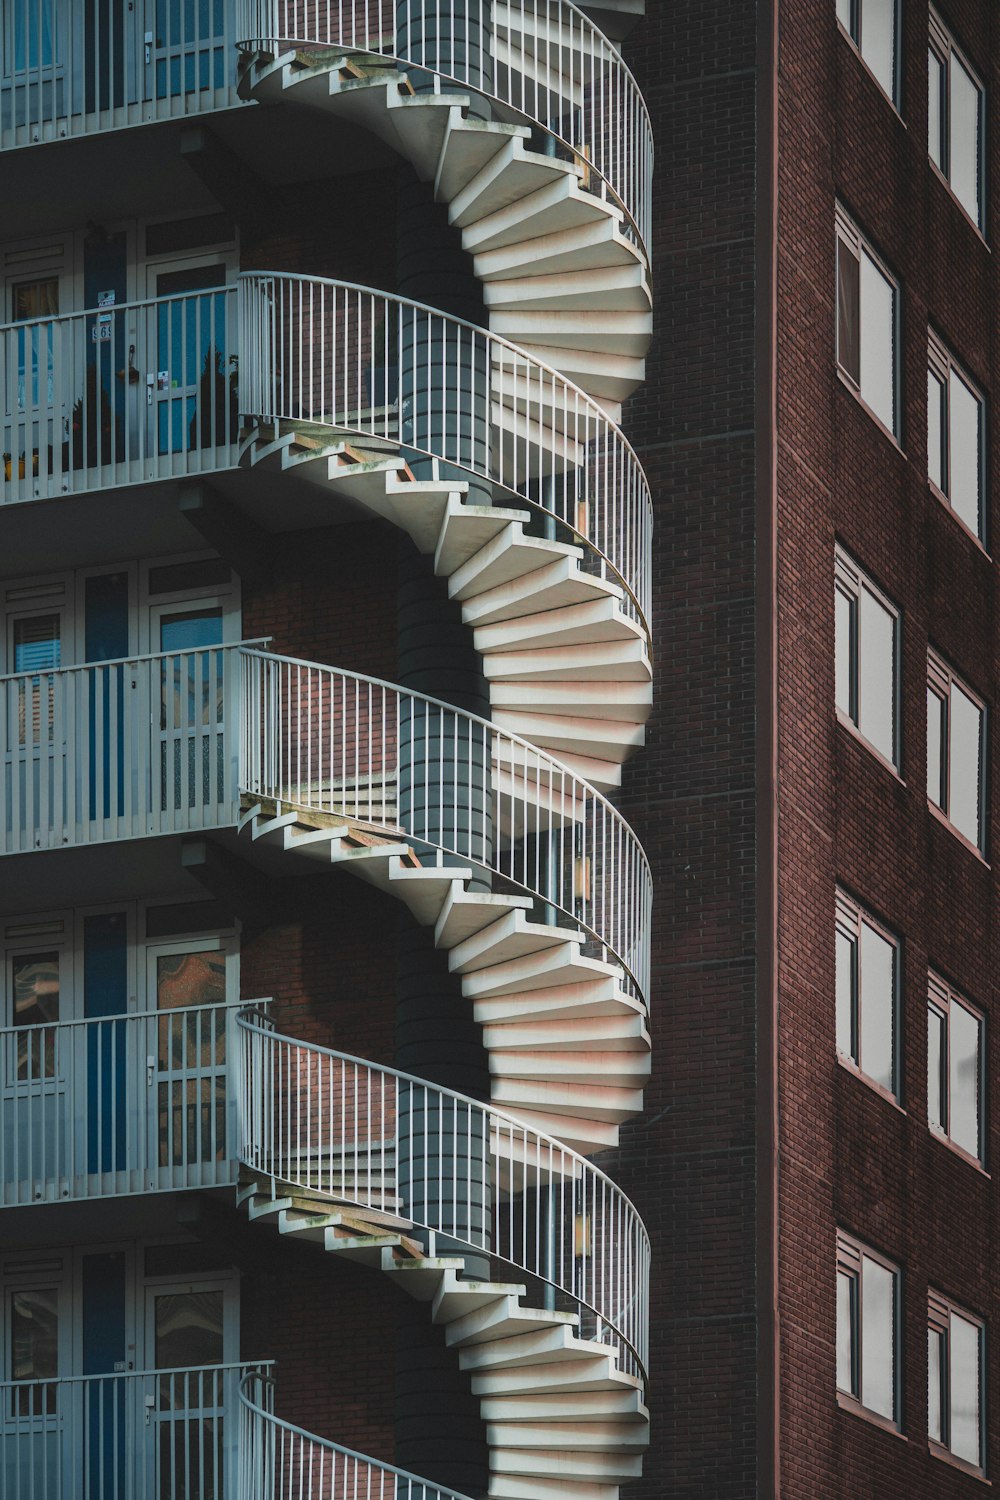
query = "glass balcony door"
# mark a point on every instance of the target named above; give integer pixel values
(192, 401)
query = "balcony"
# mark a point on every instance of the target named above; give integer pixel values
(118, 395)
(70, 69)
(146, 1435)
(117, 1104)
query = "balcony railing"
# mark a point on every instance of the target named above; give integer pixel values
(356, 1133)
(68, 69)
(359, 361)
(542, 61)
(281, 1462)
(455, 786)
(118, 395)
(147, 1435)
(117, 1104)
(119, 750)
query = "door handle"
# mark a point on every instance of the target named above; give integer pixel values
(149, 47)
(150, 1065)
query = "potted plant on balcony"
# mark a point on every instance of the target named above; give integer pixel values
(215, 420)
(90, 424)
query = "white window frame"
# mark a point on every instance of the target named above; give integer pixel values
(943, 367)
(850, 919)
(942, 999)
(940, 682)
(940, 1310)
(851, 1255)
(942, 47)
(849, 240)
(851, 582)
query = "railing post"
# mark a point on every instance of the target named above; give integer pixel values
(450, 37)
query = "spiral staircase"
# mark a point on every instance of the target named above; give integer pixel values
(497, 451)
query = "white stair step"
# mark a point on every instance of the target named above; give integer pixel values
(553, 966)
(586, 1374)
(420, 1279)
(606, 288)
(602, 1070)
(507, 556)
(514, 1487)
(582, 1133)
(609, 1106)
(591, 999)
(499, 1320)
(624, 1404)
(583, 735)
(625, 660)
(455, 1297)
(466, 529)
(616, 1033)
(572, 1464)
(467, 912)
(553, 586)
(508, 178)
(600, 1435)
(586, 246)
(613, 701)
(424, 889)
(595, 622)
(366, 1250)
(511, 937)
(552, 209)
(467, 147)
(539, 1348)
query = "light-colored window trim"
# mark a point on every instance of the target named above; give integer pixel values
(939, 1313)
(943, 45)
(856, 43)
(942, 364)
(856, 244)
(850, 918)
(940, 681)
(943, 997)
(851, 581)
(851, 1253)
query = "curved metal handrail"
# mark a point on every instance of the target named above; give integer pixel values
(357, 1132)
(337, 742)
(362, 361)
(543, 61)
(278, 1461)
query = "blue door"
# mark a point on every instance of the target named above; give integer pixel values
(105, 996)
(104, 1353)
(106, 639)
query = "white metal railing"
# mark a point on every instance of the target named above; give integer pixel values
(119, 750)
(354, 1132)
(361, 361)
(67, 69)
(128, 1103)
(118, 394)
(543, 61)
(317, 737)
(169, 1434)
(281, 1462)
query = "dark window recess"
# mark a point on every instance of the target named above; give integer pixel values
(188, 234)
(187, 916)
(175, 578)
(184, 1260)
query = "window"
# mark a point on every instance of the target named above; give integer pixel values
(955, 1381)
(954, 1068)
(867, 1329)
(955, 432)
(867, 323)
(872, 27)
(955, 100)
(867, 995)
(867, 632)
(956, 750)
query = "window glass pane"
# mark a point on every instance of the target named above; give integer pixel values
(935, 108)
(935, 431)
(34, 1334)
(845, 996)
(878, 1337)
(878, 965)
(964, 450)
(963, 1081)
(844, 13)
(964, 162)
(36, 643)
(965, 1386)
(35, 987)
(878, 20)
(965, 770)
(935, 1063)
(845, 635)
(878, 342)
(188, 1329)
(848, 311)
(846, 1289)
(935, 1392)
(876, 675)
(935, 744)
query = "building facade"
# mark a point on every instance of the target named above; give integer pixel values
(327, 586)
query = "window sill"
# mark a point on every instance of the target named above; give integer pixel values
(848, 724)
(956, 1150)
(942, 179)
(885, 1424)
(942, 499)
(850, 1066)
(877, 82)
(852, 389)
(966, 843)
(936, 1450)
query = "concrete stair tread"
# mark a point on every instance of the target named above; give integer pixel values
(613, 1033)
(512, 936)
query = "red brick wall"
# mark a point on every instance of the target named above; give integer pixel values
(689, 1161)
(848, 1158)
